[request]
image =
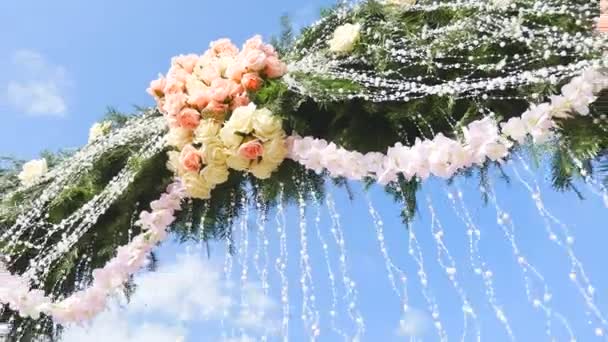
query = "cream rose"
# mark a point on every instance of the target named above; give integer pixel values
(230, 138)
(214, 174)
(241, 119)
(275, 151)
(206, 130)
(32, 171)
(265, 125)
(345, 37)
(173, 162)
(213, 152)
(263, 169)
(196, 186)
(237, 162)
(179, 137)
(98, 130)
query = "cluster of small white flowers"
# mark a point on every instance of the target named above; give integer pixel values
(83, 305)
(442, 156)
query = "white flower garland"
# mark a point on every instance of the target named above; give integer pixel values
(85, 304)
(442, 156)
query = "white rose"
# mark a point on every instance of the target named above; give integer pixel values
(237, 162)
(241, 119)
(215, 174)
(213, 152)
(196, 186)
(32, 171)
(265, 125)
(173, 163)
(263, 169)
(179, 137)
(275, 151)
(98, 130)
(206, 130)
(230, 138)
(345, 37)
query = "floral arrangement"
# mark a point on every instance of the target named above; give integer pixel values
(199, 93)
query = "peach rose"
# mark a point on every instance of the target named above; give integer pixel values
(157, 87)
(190, 159)
(269, 50)
(216, 107)
(602, 25)
(239, 101)
(235, 70)
(223, 47)
(209, 73)
(174, 103)
(251, 82)
(254, 43)
(177, 75)
(220, 89)
(186, 62)
(251, 150)
(199, 99)
(189, 118)
(274, 67)
(254, 60)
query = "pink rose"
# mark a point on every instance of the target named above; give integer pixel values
(251, 82)
(239, 101)
(251, 150)
(220, 89)
(236, 90)
(210, 73)
(190, 158)
(200, 99)
(186, 62)
(254, 43)
(174, 103)
(255, 60)
(275, 68)
(189, 118)
(223, 47)
(157, 87)
(216, 107)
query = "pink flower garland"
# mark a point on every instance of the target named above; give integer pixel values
(84, 305)
(442, 156)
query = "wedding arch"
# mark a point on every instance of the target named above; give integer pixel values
(388, 93)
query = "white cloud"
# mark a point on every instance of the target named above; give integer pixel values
(110, 326)
(37, 87)
(190, 292)
(414, 323)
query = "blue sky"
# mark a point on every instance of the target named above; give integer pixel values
(62, 63)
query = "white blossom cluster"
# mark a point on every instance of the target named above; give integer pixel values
(442, 156)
